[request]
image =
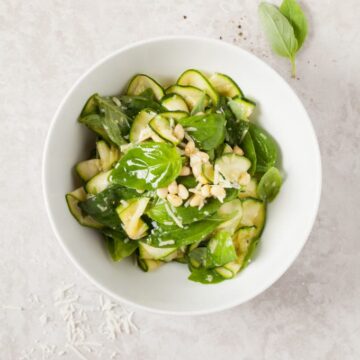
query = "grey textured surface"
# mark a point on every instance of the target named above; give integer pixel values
(312, 312)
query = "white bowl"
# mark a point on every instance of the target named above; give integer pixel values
(290, 216)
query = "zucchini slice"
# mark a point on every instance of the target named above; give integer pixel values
(195, 78)
(161, 126)
(191, 94)
(174, 102)
(225, 273)
(254, 214)
(139, 83)
(108, 155)
(225, 85)
(72, 200)
(176, 115)
(235, 209)
(242, 108)
(150, 252)
(250, 190)
(90, 106)
(140, 131)
(231, 166)
(149, 265)
(98, 183)
(130, 214)
(88, 168)
(242, 241)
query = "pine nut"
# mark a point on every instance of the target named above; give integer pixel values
(174, 200)
(179, 132)
(173, 188)
(189, 148)
(185, 171)
(196, 200)
(162, 193)
(183, 192)
(204, 157)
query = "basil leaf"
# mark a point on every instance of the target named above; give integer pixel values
(235, 129)
(188, 181)
(132, 105)
(187, 215)
(116, 123)
(205, 276)
(265, 148)
(208, 130)
(173, 236)
(101, 207)
(221, 248)
(147, 166)
(201, 258)
(119, 245)
(279, 32)
(249, 150)
(293, 12)
(270, 184)
(106, 119)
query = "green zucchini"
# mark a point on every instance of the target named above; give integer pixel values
(225, 85)
(151, 252)
(176, 115)
(196, 79)
(241, 107)
(88, 168)
(108, 155)
(139, 83)
(140, 131)
(254, 214)
(231, 166)
(250, 190)
(130, 213)
(72, 200)
(174, 102)
(191, 94)
(149, 265)
(98, 183)
(161, 126)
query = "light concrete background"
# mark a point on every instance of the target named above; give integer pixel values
(312, 312)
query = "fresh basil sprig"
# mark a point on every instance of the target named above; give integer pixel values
(285, 27)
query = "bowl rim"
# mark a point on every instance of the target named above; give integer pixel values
(286, 264)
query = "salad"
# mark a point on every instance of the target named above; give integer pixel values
(178, 174)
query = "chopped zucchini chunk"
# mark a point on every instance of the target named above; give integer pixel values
(161, 126)
(191, 94)
(98, 183)
(88, 168)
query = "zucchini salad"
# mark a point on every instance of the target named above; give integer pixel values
(178, 174)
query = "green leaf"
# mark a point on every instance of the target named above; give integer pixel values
(279, 32)
(270, 184)
(173, 236)
(132, 105)
(188, 181)
(102, 206)
(201, 258)
(265, 148)
(207, 130)
(187, 215)
(116, 123)
(222, 248)
(205, 276)
(249, 150)
(293, 12)
(119, 245)
(148, 166)
(105, 118)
